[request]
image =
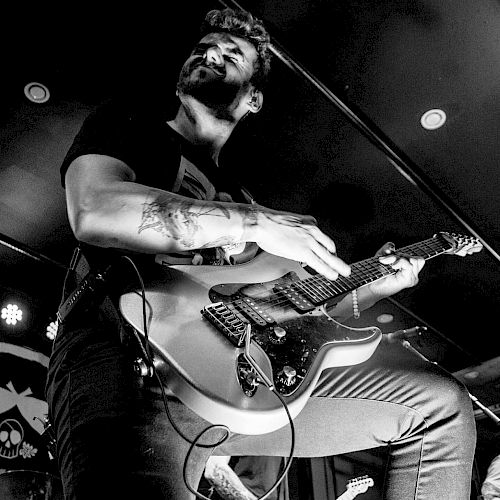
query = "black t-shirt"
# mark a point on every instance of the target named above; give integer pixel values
(161, 158)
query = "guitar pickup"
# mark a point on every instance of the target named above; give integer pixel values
(226, 321)
(254, 311)
(295, 297)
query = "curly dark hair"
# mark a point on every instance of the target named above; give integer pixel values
(242, 24)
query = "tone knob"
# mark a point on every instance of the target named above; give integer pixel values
(278, 334)
(288, 375)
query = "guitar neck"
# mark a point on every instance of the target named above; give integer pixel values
(320, 289)
(348, 495)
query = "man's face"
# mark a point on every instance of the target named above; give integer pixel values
(219, 70)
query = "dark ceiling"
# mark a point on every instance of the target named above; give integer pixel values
(387, 62)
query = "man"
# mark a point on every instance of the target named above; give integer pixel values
(140, 184)
(245, 478)
(490, 489)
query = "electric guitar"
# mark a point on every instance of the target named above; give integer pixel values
(219, 332)
(355, 487)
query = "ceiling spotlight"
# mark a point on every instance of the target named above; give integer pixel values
(433, 119)
(52, 330)
(37, 92)
(12, 314)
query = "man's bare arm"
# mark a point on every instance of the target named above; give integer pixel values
(225, 481)
(107, 208)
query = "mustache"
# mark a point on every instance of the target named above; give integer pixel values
(203, 63)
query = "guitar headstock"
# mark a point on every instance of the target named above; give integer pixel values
(462, 245)
(359, 484)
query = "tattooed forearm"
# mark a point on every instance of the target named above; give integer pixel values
(178, 218)
(228, 485)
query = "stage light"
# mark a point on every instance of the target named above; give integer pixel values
(12, 314)
(52, 330)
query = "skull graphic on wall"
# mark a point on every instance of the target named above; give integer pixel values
(11, 437)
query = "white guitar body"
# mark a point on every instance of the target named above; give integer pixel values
(199, 364)
(198, 321)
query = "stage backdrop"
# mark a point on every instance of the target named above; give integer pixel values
(23, 409)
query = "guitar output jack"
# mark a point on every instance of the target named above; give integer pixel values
(247, 376)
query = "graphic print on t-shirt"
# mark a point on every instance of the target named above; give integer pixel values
(193, 183)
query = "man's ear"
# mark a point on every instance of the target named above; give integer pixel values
(255, 101)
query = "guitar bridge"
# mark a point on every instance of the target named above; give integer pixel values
(226, 320)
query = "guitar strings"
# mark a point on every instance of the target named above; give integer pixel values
(363, 269)
(341, 285)
(281, 298)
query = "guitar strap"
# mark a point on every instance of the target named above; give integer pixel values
(89, 288)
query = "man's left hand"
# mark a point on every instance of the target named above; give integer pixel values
(407, 271)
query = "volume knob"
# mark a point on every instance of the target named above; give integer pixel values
(278, 335)
(288, 375)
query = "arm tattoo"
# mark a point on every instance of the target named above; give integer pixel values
(228, 485)
(177, 218)
(228, 240)
(250, 217)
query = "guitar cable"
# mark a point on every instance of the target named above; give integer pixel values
(283, 473)
(146, 347)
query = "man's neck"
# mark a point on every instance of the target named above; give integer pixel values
(196, 123)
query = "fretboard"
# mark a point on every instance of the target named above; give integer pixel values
(319, 289)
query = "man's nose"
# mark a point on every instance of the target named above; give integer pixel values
(214, 55)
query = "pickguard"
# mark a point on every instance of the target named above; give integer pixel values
(290, 338)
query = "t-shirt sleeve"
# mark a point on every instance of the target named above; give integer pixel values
(105, 131)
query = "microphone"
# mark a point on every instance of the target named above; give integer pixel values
(404, 334)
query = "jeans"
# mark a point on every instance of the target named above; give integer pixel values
(114, 439)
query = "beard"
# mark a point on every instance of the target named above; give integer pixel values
(209, 87)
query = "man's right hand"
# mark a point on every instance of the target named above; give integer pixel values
(296, 237)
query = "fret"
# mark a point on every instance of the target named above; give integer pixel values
(302, 288)
(321, 289)
(330, 285)
(433, 250)
(331, 288)
(347, 284)
(312, 290)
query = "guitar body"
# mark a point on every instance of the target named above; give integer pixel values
(203, 363)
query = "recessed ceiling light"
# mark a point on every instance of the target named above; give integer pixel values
(433, 119)
(471, 375)
(36, 92)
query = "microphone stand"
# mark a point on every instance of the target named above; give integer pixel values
(402, 335)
